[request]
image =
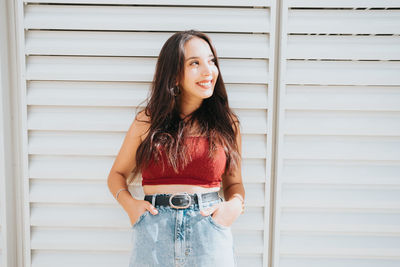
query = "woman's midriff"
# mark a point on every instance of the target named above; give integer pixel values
(177, 188)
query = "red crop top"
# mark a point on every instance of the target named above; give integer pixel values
(201, 171)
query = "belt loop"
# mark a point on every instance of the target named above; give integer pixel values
(200, 201)
(153, 200)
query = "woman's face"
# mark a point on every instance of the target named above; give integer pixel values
(200, 71)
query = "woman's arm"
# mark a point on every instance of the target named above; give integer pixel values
(123, 165)
(232, 184)
(228, 211)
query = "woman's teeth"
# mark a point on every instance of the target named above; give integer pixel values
(205, 84)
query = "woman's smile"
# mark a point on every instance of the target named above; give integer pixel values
(206, 84)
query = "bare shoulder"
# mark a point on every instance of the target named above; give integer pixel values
(143, 117)
(141, 125)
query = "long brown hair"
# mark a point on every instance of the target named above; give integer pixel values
(214, 117)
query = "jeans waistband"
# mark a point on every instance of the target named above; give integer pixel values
(182, 200)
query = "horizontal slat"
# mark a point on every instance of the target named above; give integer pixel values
(367, 221)
(88, 258)
(344, 3)
(248, 241)
(255, 196)
(361, 98)
(255, 121)
(71, 167)
(334, 261)
(80, 118)
(254, 146)
(322, 252)
(161, 2)
(342, 148)
(110, 94)
(340, 195)
(357, 173)
(112, 240)
(131, 69)
(344, 21)
(249, 250)
(97, 168)
(98, 43)
(117, 119)
(127, 94)
(340, 242)
(256, 96)
(332, 228)
(82, 215)
(343, 72)
(373, 181)
(108, 144)
(354, 207)
(43, 258)
(80, 239)
(146, 18)
(250, 260)
(252, 218)
(68, 192)
(74, 143)
(362, 123)
(343, 47)
(80, 192)
(254, 170)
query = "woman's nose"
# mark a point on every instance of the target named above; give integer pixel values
(207, 69)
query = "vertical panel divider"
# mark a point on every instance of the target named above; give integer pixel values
(273, 104)
(22, 175)
(282, 15)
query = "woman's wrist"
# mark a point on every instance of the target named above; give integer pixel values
(125, 199)
(238, 202)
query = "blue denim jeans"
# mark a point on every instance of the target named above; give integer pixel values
(181, 237)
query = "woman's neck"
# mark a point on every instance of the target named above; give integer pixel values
(187, 107)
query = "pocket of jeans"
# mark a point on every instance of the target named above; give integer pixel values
(141, 217)
(217, 225)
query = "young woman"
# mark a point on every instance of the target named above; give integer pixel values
(185, 142)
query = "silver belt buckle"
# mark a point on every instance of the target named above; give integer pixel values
(180, 207)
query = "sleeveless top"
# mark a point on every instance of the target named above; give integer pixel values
(201, 170)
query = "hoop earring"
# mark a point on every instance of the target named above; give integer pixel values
(176, 90)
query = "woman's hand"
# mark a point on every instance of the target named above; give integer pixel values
(138, 208)
(224, 213)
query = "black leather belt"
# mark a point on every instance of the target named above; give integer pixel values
(181, 200)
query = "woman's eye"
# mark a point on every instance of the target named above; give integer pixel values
(196, 62)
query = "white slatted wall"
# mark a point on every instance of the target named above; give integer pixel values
(338, 172)
(88, 63)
